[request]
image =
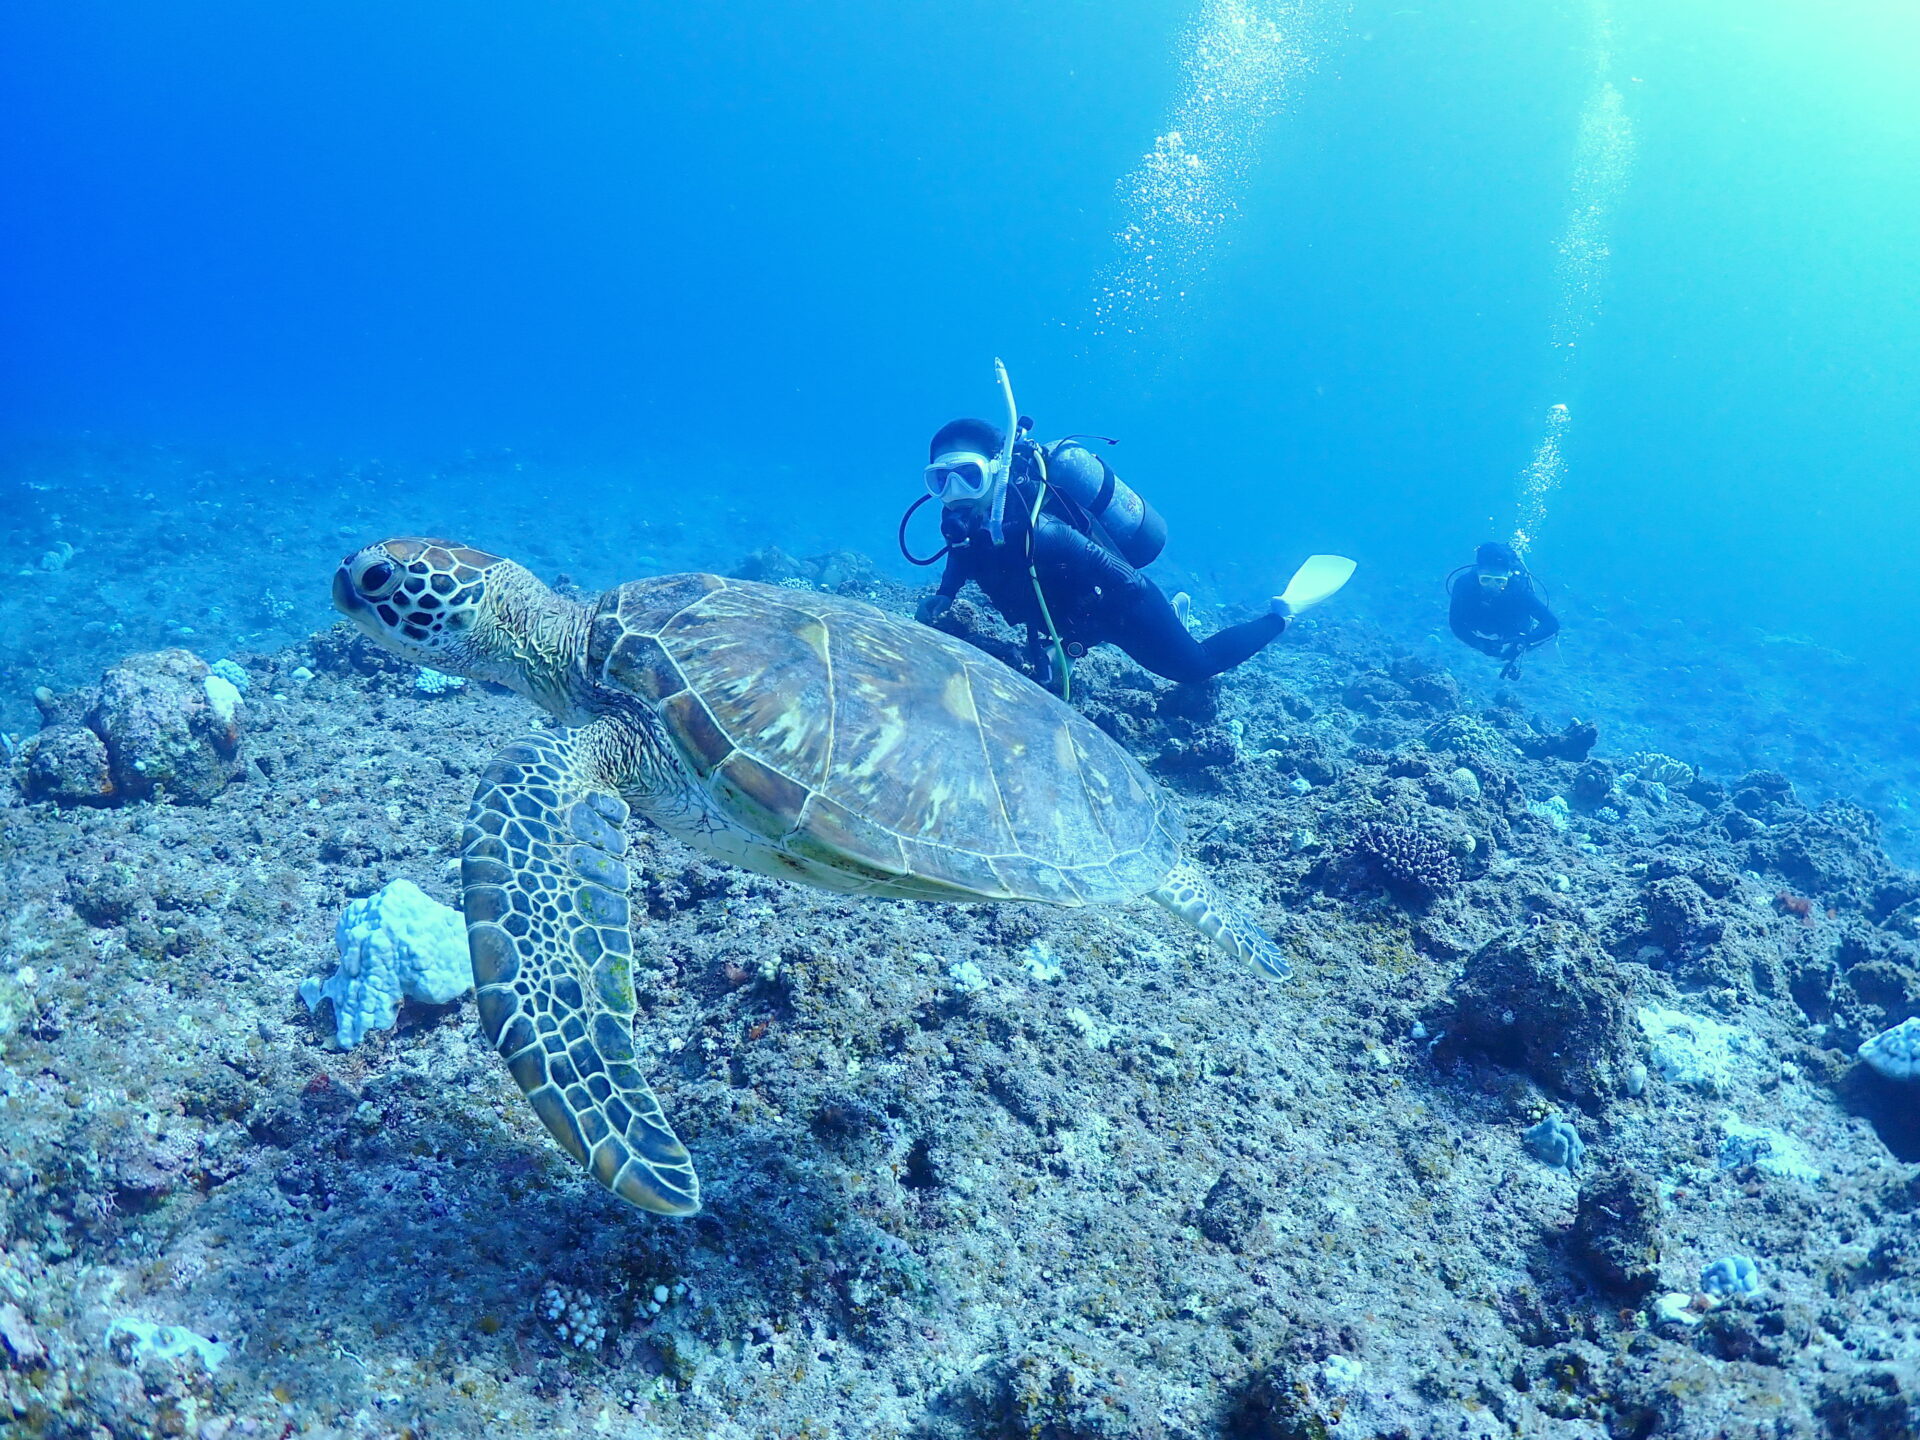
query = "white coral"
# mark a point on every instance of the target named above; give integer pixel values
(437, 682)
(1692, 1050)
(392, 944)
(223, 698)
(1895, 1053)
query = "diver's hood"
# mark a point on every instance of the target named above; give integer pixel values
(981, 437)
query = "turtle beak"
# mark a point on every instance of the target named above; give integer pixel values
(344, 598)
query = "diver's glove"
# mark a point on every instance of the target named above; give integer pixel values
(1511, 670)
(933, 609)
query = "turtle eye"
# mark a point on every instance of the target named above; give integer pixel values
(375, 579)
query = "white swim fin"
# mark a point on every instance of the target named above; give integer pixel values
(1320, 577)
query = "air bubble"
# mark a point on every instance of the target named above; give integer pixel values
(1602, 165)
(1238, 60)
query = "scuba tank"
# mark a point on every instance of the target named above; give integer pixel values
(1117, 515)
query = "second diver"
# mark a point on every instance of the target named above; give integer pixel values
(1495, 606)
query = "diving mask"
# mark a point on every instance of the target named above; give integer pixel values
(1494, 581)
(960, 477)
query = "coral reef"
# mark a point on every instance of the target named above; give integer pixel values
(1617, 1231)
(157, 725)
(1547, 1001)
(1652, 768)
(1731, 1275)
(68, 765)
(436, 682)
(974, 1171)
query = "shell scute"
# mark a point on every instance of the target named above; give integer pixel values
(1035, 880)
(646, 605)
(1061, 776)
(903, 756)
(823, 605)
(956, 866)
(764, 668)
(640, 664)
(834, 835)
(758, 796)
(701, 739)
(1138, 871)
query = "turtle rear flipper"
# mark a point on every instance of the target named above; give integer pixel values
(1189, 894)
(546, 908)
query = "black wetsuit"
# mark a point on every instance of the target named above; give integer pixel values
(1501, 623)
(1094, 596)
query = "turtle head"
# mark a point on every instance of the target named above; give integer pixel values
(451, 607)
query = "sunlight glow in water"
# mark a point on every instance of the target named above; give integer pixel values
(1602, 165)
(1237, 61)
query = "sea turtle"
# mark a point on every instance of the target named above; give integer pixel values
(802, 735)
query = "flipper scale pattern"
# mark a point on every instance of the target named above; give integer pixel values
(545, 879)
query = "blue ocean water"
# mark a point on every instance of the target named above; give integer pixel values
(739, 263)
(1586, 1103)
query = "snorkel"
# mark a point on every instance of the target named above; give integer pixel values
(1003, 463)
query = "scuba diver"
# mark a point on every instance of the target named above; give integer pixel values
(1496, 607)
(1058, 541)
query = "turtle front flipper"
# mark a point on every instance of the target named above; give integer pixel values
(1190, 895)
(546, 905)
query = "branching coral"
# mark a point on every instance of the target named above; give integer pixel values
(1406, 857)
